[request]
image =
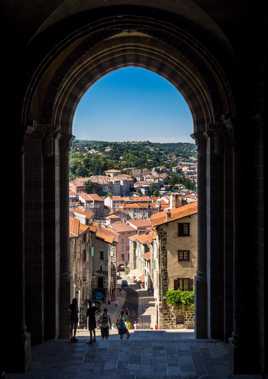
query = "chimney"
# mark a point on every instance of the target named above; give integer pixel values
(178, 201)
(174, 200)
(171, 201)
(168, 214)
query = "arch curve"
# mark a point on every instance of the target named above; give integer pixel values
(110, 43)
(92, 50)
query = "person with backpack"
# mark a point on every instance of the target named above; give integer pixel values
(121, 326)
(105, 324)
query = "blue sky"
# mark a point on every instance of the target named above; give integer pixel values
(133, 104)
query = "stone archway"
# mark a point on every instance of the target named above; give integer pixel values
(56, 86)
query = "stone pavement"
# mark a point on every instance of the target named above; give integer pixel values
(146, 354)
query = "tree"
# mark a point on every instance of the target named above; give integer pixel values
(153, 190)
(89, 187)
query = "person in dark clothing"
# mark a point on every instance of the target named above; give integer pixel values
(121, 326)
(91, 314)
(73, 319)
(105, 324)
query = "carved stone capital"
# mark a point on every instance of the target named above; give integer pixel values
(36, 130)
(49, 145)
(65, 141)
(212, 131)
(199, 137)
(227, 124)
(214, 134)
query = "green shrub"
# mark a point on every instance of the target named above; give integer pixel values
(178, 297)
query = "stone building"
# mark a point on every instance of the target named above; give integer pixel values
(83, 215)
(122, 231)
(174, 254)
(143, 225)
(140, 258)
(139, 210)
(81, 265)
(117, 185)
(73, 199)
(78, 185)
(103, 251)
(117, 202)
(53, 52)
(94, 203)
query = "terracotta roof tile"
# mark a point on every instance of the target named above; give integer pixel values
(76, 227)
(73, 227)
(140, 223)
(82, 211)
(139, 205)
(106, 235)
(174, 214)
(80, 181)
(145, 239)
(120, 227)
(90, 196)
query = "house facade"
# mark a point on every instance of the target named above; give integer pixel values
(103, 251)
(81, 266)
(174, 256)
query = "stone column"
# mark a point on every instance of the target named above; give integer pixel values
(51, 234)
(16, 342)
(65, 280)
(201, 322)
(261, 260)
(34, 228)
(249, 263)
(214, 233)
(228, 224)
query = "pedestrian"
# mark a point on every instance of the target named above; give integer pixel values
(128, 323)
(126, 313)
(73, 319)
(121, 326)
(105, 324)
(91, 314)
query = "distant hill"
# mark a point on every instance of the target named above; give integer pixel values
(177, 147)
(94, 157)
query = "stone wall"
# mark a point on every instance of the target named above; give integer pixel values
(173, 317)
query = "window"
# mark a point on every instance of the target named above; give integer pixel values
(85, 237)
(146, 248)
(123, 257)
(101, 255)
(183, 284)
(183, 229)
(100, 282)
(183, 255)
(92, 251)
(84, 255)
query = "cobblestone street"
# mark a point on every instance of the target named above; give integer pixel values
(147, 354)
